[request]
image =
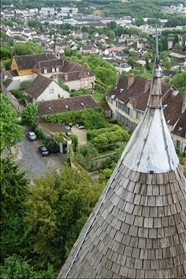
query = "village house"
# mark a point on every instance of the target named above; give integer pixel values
(27, 67)
(74, 75)
(66, 105)
(23, 64)
(128, 101)
(44, 89)
(89, 49)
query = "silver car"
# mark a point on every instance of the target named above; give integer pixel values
(31, 136)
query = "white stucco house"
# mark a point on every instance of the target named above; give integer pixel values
(44, 89)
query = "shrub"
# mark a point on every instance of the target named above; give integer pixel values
(51, 145)
(17, 94)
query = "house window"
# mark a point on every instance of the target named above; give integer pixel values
(51, 90)
(178, 145)
(123, 107)
(137, 115)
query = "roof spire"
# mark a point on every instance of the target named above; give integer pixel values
(138, 227)
(157, 50)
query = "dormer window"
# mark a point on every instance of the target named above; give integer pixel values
(45, 71)
(53, 69)
(57, 69)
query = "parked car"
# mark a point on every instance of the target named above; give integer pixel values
(80, 125)
(67, 126)
(43, 150)
(31, 136)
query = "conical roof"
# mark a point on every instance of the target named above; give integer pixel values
(138, 227)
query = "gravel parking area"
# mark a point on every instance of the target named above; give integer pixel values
(81, 134)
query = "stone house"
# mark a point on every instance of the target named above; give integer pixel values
(44, 89)
(128, 101)
(27, 67)
(23, 64)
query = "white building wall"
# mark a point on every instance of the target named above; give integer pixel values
(58, 92)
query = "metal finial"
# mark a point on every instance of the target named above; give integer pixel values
(157, 50)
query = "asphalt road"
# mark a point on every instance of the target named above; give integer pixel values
(31, 161)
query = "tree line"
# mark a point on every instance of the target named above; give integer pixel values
(39, 223)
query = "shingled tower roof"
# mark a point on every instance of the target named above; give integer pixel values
(138, 227)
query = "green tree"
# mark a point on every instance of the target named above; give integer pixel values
(16, 267)
(12, 195)
(26, 48)
(166, 63)
(57, 208)
(179, 81)
(25, 84)
(176, 40)
(94, 120)
(28, 115)
(163, 43)
(139, 21)
(85, 154)
(148, 68)
(11, 131)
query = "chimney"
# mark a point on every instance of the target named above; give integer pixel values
(147, 85)
(184, 102)
(117, 77)
(130, 80)
(66, 77)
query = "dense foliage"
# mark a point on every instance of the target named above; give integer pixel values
(16, 267)
(179, 81)
(11, 131)
(12, 195)
(57, 208)
(28, 115)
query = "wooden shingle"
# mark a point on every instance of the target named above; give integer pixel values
(138, 227)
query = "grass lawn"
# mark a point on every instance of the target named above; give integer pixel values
(97, 97)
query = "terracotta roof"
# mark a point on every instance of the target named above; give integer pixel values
(38, 86)
(65, 105)
(28, 61)
(138, 227)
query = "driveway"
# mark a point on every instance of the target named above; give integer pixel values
(29, 159)
(81, 134)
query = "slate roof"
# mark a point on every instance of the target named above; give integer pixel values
(180, 128)
(67, 70)
(138, 227)
(137, 92)
(38, 86)
(65, 105)
(28, 61)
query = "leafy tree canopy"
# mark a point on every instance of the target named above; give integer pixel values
(11, 131)
(94, 120)
(12, 195)
(58, 205)
(179, 81)
(26, 48)
(16, 267)
(28, 115)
